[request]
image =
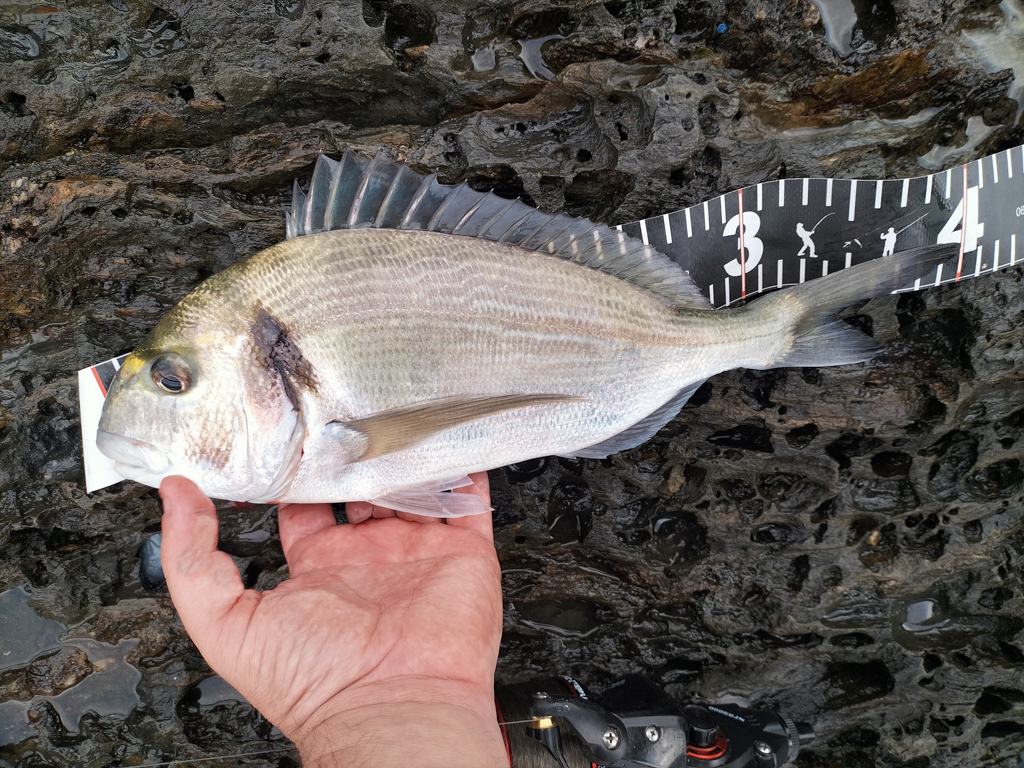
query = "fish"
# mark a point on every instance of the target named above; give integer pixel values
(409, 333)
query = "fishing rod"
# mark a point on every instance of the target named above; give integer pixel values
(554, 722)
(815, 227)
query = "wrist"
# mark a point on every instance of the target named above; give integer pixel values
(427, 724)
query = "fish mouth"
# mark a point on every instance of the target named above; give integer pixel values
(132, 455)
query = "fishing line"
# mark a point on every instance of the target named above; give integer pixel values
(263, 752)
(222, 757)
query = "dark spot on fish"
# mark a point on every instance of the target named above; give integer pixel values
(279, 354)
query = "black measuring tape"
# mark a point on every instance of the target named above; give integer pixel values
(789, 231)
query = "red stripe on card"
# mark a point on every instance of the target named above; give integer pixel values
(963, 229)
(99, 381)
(743, 253)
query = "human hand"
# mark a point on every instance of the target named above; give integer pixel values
(381, 647)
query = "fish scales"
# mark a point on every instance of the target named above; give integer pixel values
(415, 321)
(386, 364)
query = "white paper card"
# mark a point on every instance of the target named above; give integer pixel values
(92, 391)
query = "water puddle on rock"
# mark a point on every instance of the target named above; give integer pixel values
(939, 157)
(484, 59)
(75, 675)
(15, 46)
(40, 336)
(856, 610)
(926, 622)
(839, 18)
(216, 690)
(24, 634)
(565, 618)
(1002, 47)
(533, 58)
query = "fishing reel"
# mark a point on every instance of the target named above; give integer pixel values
(637, 725)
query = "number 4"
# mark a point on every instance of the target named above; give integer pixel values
(973, 228)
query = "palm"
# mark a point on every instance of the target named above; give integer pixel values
(367, 606)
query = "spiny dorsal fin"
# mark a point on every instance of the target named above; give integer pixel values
(357, 193)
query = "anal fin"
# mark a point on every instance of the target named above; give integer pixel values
(434, 500)
(643, 430)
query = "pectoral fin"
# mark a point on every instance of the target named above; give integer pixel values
(406, 427)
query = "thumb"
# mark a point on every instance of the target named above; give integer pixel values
(204, 584)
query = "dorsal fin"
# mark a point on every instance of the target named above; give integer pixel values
(358, 193)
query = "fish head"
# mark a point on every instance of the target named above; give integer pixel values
(195, 400)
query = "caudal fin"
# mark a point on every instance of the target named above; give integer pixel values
(818, 338)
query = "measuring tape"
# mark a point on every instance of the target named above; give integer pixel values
(788, 231)
(780, 233)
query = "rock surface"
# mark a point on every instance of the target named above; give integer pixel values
(845, 545)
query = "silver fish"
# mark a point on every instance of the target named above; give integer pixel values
(409, 333)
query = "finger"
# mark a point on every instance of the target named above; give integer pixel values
(481, 524)
(204, 584)
(414, 518)
(298, 521)
(379, 512)
(358, 511)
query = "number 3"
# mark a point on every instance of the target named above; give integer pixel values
(754, 246)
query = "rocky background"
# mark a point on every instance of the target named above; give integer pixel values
(845, 545)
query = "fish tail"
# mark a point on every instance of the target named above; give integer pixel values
(816, 337)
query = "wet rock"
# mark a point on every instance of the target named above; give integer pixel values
(851, 683)
(973, 531)
(996, 700)
(831, 576)
(751, 436)
(570, 511)
(64, 669)
(789, 492)
(995, 481)
(930, 548)
(879, 547)
(930, 622)
(957, 451)
(801, 437)
(777, 533)
(212, 712)
(763, 639)
(143, 149)
(852, 640)
(797, 573)
(526, 470)
(849, 446)
(562, 617)
(758, 386)
(682, 535)
(994, 597)
(891, 464)
(737, 489)
(886, 496)
(857, 610)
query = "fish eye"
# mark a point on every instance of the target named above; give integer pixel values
(171, 374)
